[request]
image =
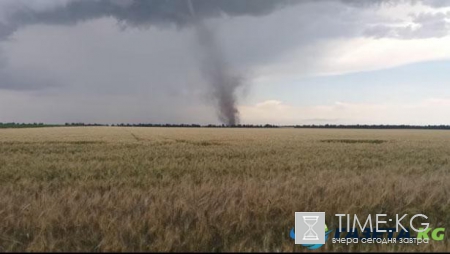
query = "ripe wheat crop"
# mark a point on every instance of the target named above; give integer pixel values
(198, 189)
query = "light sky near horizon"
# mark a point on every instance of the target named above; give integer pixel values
(316, 62)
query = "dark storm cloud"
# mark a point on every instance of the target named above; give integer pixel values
(254, 40)
(152, 12)
(163, 13)
(137, 13)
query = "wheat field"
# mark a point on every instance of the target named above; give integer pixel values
(201, 189)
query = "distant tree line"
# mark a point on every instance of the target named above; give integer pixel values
(85, 124)
(242, 126)
(197, 125)
(23, 125)
(380, 126)
(19, 125)
(326, 126)
(155, 125)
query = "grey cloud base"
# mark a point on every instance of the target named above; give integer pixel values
(243, 34)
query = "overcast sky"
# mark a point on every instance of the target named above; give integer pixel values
(299, 62)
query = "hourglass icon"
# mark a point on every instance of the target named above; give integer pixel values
(310, 221)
